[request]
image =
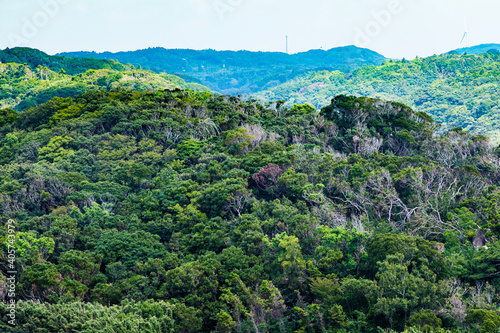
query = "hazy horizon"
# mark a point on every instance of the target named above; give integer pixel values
(393, 28)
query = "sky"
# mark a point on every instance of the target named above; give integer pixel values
(394, 28)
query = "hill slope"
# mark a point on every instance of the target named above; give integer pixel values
(180, 211)
(241, 72)
(34, 77)
(71, 66)
(458, 91)
(478, 49)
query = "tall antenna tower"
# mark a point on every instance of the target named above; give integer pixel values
(465, 36)
(286, 44)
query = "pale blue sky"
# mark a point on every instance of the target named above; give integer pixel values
(394, 28)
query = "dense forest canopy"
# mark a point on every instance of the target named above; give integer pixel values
(459, 89)
(30, 77)
(183, 211)
(72, 66)
(241, 72)
(456, 90)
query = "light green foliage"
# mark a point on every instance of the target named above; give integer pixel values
(341, 247)
(224, 322)
(143, 317)
(32, 249)
(188, 148)
(301, 110)
(72, 111)
(56, 150)
(290, 258)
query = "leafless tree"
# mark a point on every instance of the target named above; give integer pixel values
(237, 202)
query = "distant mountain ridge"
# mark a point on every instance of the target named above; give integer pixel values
(241, 72)
(478, 49)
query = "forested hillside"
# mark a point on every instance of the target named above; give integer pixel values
(241, 72)
(479, 49)
(181, 211)
(457, 91)
(29, 77)
(71, 66)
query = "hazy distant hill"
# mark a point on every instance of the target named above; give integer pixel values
(241, 72)
(478, 49)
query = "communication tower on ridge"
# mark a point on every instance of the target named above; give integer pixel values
(465, 36)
